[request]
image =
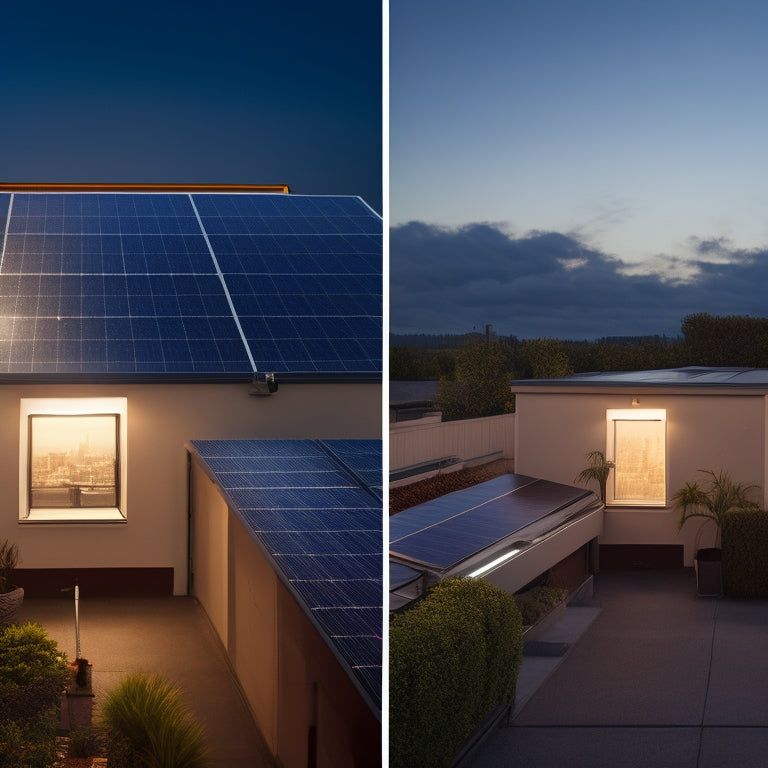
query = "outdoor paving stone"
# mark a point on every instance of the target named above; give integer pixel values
(589, 748)
(661, 677)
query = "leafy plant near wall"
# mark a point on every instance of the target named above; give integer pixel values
(146, 724)
(714, 500)
(9, 559)
(598, 468)
(33, 673)
(454, 657)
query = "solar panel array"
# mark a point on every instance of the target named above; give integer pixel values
(444, 532)
(189, 284)
(304, 501)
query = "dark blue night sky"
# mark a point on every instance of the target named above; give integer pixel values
(233, 92)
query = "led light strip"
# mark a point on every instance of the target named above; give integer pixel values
(489, 566)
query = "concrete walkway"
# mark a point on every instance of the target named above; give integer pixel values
(658, 677)
(171, 636)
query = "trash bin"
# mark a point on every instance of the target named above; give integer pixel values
(709, 572)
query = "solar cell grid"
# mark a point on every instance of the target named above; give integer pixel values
(321, 542)
(362, 519)
(158, 235)
(299, 498)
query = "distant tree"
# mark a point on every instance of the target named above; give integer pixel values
(404, 364)
(482, 383)
(547, 358)
(732, 340)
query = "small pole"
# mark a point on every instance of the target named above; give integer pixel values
(77, 621)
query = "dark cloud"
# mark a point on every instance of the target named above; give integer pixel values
(548, 284)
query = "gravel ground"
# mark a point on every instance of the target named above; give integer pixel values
(425, 490)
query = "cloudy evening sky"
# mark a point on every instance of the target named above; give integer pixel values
(576, 169)
(165, 91)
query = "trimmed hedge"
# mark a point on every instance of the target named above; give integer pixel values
(744, 535)
(453, 658)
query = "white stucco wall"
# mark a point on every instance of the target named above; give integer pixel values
(162, 418)
(554, 432)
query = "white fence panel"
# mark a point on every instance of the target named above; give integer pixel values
(467, 439)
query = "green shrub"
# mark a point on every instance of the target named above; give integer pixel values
(745, 553)
(453, 658)
(147, 725)
(33, 673)
(535, 603)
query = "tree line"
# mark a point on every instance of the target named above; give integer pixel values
(474, 372)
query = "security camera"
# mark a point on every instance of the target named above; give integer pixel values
(264, 384)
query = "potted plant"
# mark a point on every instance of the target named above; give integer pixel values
(598, 469)
(11, 596)
(711, 502)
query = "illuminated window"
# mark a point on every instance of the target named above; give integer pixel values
(637, 445)
(73, 460)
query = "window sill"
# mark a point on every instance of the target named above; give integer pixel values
(637, 505)
(79, 515)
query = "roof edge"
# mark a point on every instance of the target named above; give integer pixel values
(139, 187)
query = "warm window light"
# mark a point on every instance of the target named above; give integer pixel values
(489, 566)
(636, 444)
(73, 459)
(643, 414)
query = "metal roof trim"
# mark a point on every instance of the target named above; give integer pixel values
(139, 187)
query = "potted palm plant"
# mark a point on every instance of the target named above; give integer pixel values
(11, 596)
(598, 468)
(711, 502)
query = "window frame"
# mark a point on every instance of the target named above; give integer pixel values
(614, 415)
(67, 407)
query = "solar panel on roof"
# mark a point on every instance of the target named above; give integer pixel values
(454, 530)
(176, 283)
(305, 504)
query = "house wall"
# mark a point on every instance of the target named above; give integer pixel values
(411, 444)
(162, 418)
(554, 432)
(301, 698)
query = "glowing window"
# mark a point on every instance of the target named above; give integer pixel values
(636, 444)
(73, 460)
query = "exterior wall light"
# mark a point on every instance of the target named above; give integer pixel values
(263, 384)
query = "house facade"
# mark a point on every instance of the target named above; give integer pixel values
(659, 429)
(142, 328)
(135, 318)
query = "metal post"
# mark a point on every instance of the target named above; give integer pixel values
(77, 621)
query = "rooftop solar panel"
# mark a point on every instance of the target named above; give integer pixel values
(459, 526)
(189, 284)
(305, 504)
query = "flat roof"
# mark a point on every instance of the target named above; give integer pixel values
(697, 377)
